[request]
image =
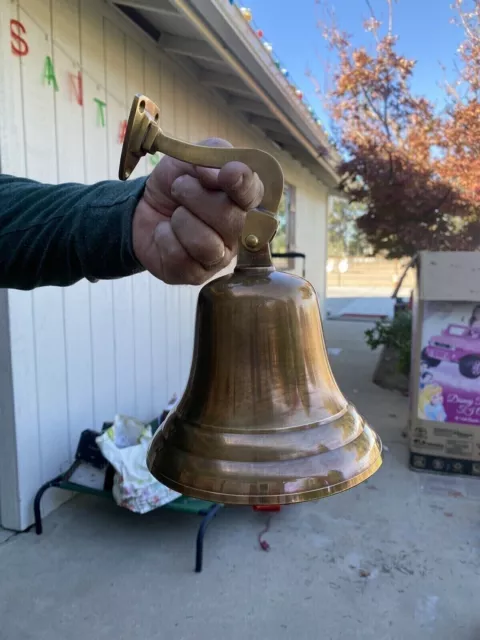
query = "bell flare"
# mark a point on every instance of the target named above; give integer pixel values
(287, 467)
(262, 419)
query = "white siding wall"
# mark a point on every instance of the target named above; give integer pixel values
(81, 354)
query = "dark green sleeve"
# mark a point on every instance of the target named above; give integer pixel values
(59, 234)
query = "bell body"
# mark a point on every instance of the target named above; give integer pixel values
(262, 420)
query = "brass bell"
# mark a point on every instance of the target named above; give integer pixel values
(262, 420)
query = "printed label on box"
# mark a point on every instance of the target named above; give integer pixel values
(450, 364)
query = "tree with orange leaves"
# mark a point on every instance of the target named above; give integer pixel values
(461, 131)
(400, 162)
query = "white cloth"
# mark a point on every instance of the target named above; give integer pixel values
(125, 446)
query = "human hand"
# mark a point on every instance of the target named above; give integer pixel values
(187, 224)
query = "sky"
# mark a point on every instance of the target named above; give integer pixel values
(423, 27)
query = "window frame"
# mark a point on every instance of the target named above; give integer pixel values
(288, 264)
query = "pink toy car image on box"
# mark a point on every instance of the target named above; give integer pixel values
(458, 343)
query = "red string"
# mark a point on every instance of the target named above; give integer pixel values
(263, 543)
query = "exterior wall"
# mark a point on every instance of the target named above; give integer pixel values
(81, 354)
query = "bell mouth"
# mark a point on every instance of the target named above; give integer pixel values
(282, 499)
(265, 475)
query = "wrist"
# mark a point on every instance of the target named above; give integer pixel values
(114, 211)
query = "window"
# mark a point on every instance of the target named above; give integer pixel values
(284, 241)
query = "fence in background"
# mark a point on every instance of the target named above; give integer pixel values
(362, 271)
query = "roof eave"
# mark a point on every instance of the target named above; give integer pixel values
(219, 24)
(211, 34)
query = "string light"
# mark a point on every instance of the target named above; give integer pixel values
(246, 13)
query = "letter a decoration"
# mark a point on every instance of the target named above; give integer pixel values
(49, 73)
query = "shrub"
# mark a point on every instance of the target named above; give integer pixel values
(395, 334)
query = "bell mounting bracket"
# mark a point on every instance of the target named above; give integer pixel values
(144, 136)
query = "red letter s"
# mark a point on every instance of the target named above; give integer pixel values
(19, 45)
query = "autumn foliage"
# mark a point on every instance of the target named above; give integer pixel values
(461, 129)
(415, 171)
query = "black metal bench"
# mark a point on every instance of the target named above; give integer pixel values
(207, 510)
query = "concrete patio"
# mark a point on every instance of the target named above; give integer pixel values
(397, 558)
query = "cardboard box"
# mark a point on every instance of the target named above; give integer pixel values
(444, 420)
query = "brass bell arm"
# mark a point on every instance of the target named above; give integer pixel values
(144, 136)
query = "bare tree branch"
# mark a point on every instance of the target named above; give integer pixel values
(390, 17)
(465, 20)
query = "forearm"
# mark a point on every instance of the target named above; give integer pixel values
(59, 234)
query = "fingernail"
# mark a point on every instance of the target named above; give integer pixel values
(214, 263)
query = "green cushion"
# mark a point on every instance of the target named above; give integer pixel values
(183, 503)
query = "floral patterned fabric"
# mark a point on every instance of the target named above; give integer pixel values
(125, 446)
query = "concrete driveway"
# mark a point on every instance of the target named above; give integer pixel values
(362, 302)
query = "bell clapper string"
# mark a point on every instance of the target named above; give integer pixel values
(263, 543)
(272, 507)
